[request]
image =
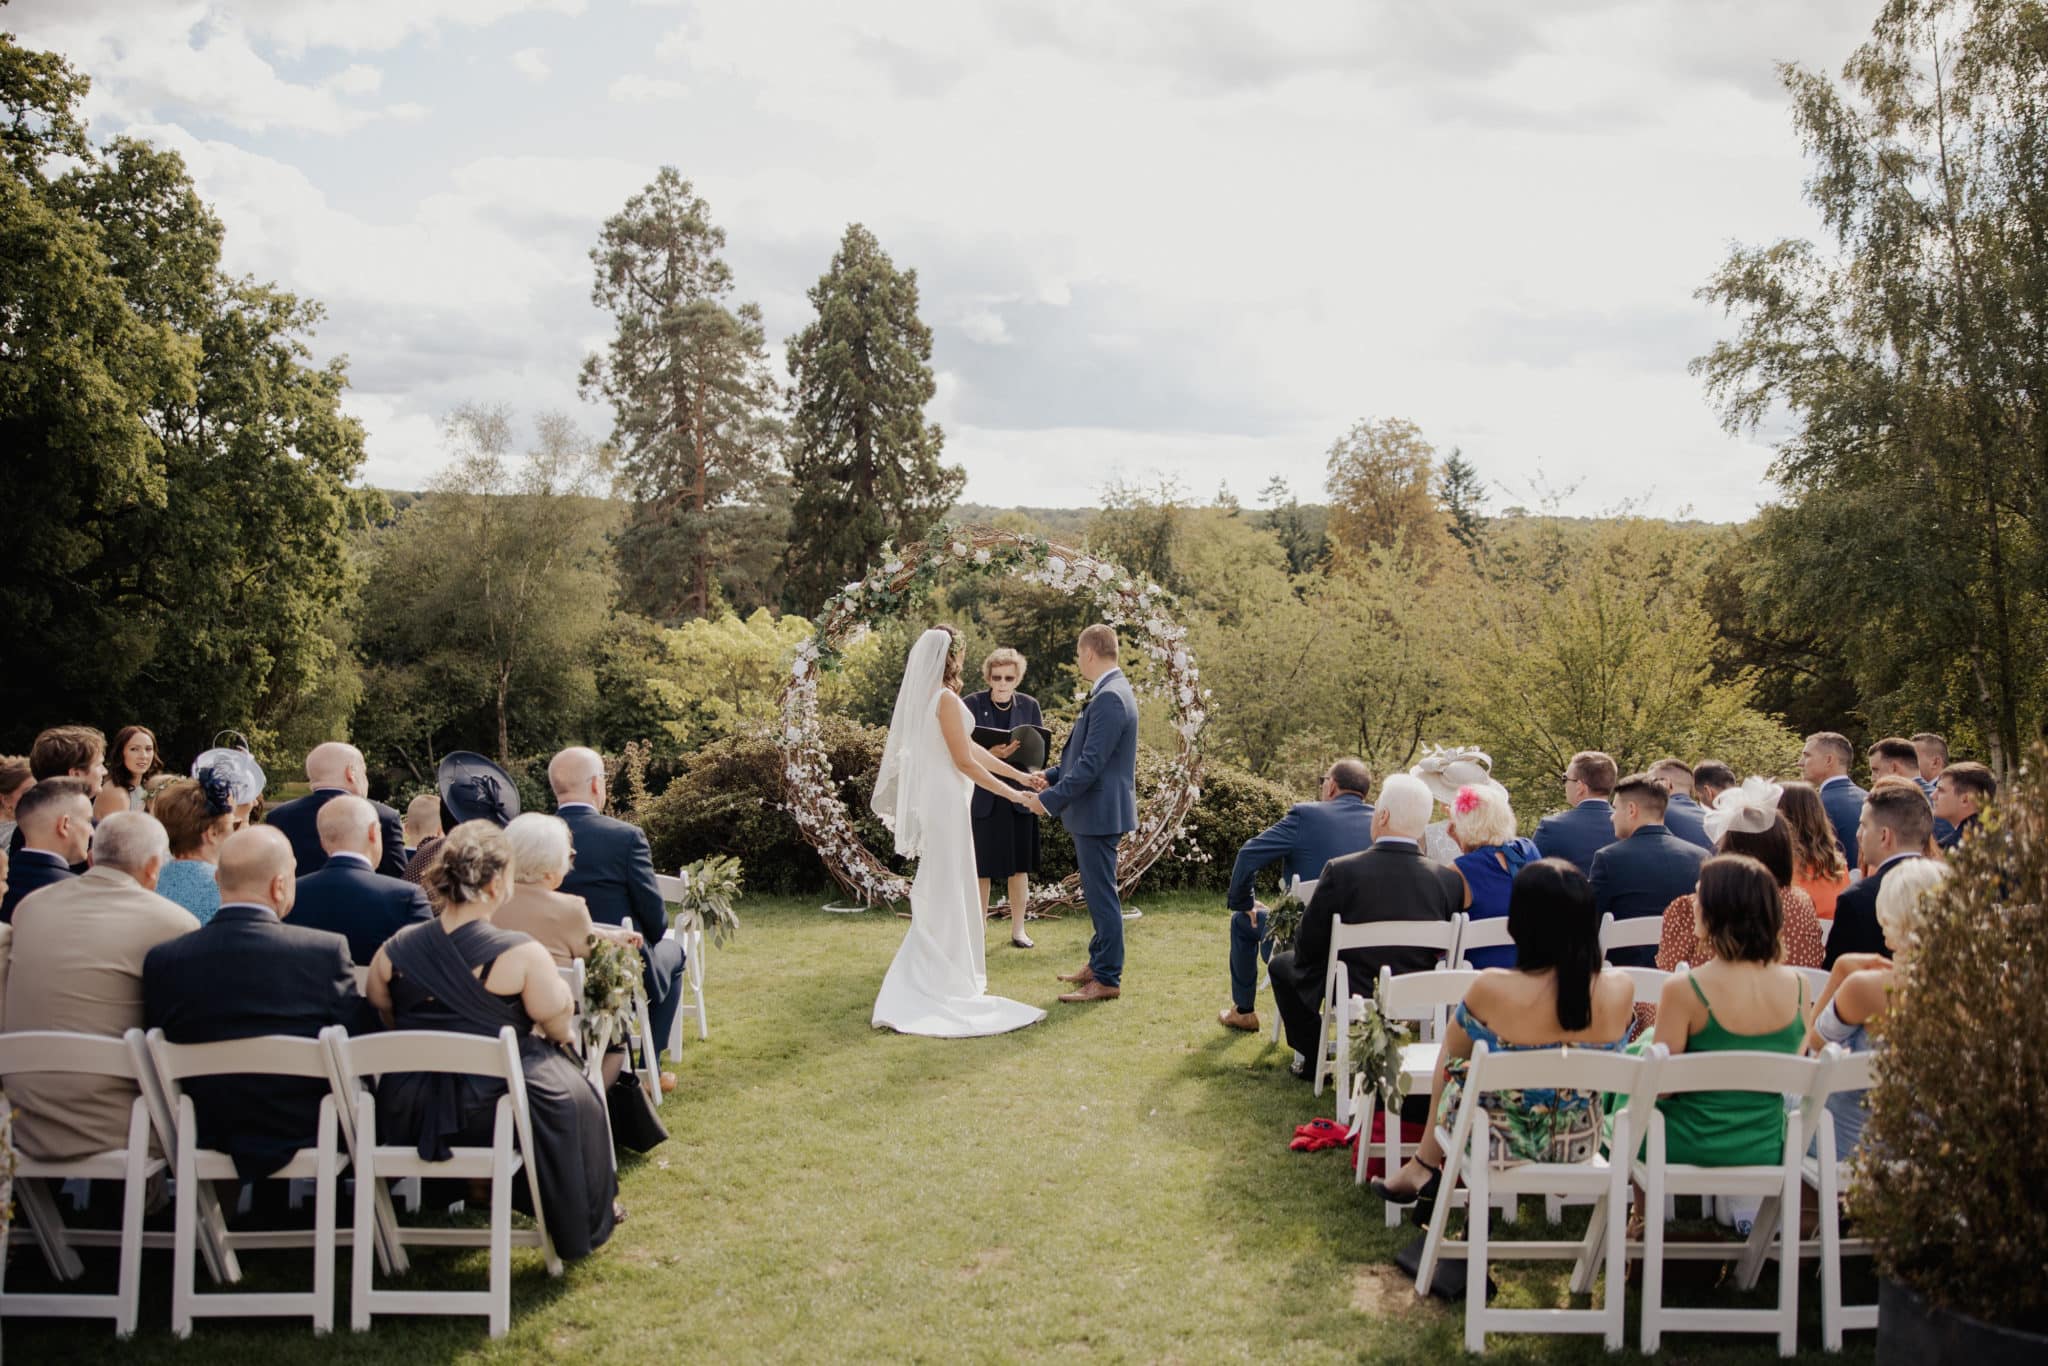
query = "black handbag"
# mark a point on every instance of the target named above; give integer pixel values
(635, 1122)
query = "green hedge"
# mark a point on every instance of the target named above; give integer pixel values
(726, 801)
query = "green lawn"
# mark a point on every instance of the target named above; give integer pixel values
(1115, 1181)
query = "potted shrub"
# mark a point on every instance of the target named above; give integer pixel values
(1952, 1186)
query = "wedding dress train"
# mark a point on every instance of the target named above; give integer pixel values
(938, 983)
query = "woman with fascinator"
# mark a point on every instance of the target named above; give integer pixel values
(198, 814)
(938, 983)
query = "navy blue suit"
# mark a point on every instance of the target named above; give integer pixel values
(241, 975)
(30, 870)
(1094, 792)
(299, 821)
(1578, 834)
(1856, 929)
(1303, 840)
(1640, 876)
(1686, 819)
(614, 874)
(1843, 801)
(363, 907)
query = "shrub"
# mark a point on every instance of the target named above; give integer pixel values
(1956, 1156)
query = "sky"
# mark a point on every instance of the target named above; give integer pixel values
(1195, 241)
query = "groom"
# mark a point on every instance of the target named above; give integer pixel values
(1094, 792)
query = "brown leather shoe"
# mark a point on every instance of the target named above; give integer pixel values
(1092, 991)
(1247, 1020)
(1082, 978)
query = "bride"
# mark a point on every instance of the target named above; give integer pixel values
(938, 984)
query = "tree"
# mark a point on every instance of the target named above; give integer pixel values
(1299, 529)
(489, 597)
(864, 460)
(691, 395)
(718, 676)
(1462, 495)
(1909, 356)
(1380, 475)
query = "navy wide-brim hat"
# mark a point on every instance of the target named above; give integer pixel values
(475, 789)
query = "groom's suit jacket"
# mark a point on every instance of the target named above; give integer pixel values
(1093, 789)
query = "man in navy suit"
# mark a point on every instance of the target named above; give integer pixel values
(1932, 750)
(346, 897)
(1587, 827)
(1960, 795)
(1683, 816)
(1093, 789)
(613, 872)
(1303, 840)
(54, 819)
(1824, 761)
(245, 974)
(1896, 825)
(335, 770)
(1647, 867)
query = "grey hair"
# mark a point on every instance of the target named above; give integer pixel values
(541, 846)
(130, 841)
(1407, 805)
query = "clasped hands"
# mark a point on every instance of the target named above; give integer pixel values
(1029, 801)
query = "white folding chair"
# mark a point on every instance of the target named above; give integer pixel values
(376, 1162)
(1777, 1075)
(1440, 935)
(1816, 982)
(1410, 996)
(692, 940)
(1827, 927)
(1489, 933)
(362, 972)
(1637, 932)
(266, 1056)
(52, 1052)
(1649, 988)
(1469, 1180)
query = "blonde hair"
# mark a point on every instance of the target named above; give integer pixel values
(541, 846)
(1902, 896)
(466, 864)
(1005, 655)
(1481, 814)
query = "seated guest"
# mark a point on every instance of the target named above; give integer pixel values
(244, 776)
(286, 980)
(1818, 868)
(346, 897)
(1747, 820)
(76, 964)
(1303, 840)
(1555, 994)
(1824, 762)
(1391, 881)
(1576, 834)
(67, 752)
(133, 761)
(1710, 778)
(1443, 770)
(15, 779)
(1490, 858)
(1859, 987)
(614, 874)
(198, 814)
(1647, 867)
(55, 817)
(460, 972)
(422, 824)
(1960, 795)
(541, 858)
(1742, 998)
(335, 770)
(1933, 752)
(1895, 826)
(1683, 816)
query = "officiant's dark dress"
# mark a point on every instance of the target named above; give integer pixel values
(437, 982)
(1005, 834)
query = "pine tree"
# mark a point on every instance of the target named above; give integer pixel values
(1462, 495)
(864, 460)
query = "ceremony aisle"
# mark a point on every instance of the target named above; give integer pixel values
(1114, 1181)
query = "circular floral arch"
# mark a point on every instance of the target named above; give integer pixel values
(1138, 607)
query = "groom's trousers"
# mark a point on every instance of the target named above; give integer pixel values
(1097, 856)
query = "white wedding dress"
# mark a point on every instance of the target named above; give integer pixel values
(938, 984)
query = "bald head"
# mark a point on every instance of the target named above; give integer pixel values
(256, 864)
(334, 764)
(577, 775)
(348, 825)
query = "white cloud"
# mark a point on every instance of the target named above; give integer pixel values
(986, 326)
(531, 63)
(644, 90)
(357, 79)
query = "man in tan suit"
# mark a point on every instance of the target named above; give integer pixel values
(76, 964)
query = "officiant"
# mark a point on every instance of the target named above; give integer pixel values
(1005, 835)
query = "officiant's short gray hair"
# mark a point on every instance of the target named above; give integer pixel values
(1407, 805)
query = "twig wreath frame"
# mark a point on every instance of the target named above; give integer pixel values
(1137, 607)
